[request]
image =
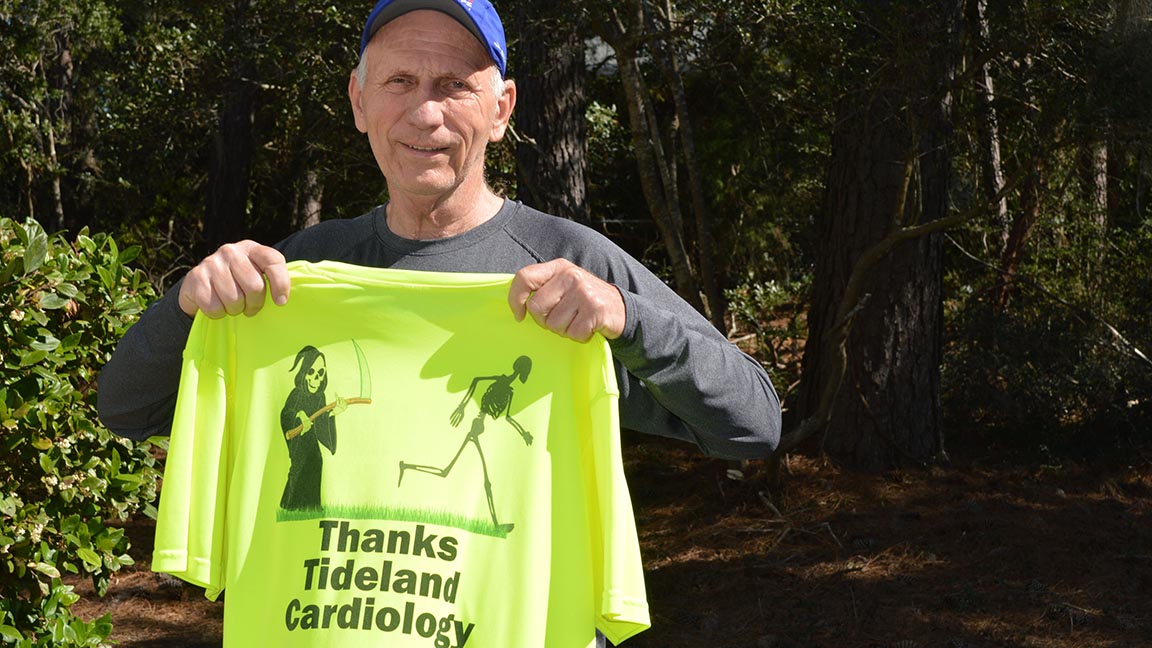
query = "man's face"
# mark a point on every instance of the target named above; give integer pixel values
(428, 105)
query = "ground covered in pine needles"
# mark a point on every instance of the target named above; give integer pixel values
(980, 554)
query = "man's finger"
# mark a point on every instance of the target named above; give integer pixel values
(272, 264)
(197, 294)
(248, 263)
(559, 316)
(526, 282)
(231, 281)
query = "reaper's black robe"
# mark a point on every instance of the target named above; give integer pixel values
(302, 491)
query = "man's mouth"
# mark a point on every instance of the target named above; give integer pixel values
(426, 149)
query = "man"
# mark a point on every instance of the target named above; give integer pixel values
(430, 93)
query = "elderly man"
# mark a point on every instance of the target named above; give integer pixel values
(430, 93)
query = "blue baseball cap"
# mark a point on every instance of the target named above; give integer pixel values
(478, 16)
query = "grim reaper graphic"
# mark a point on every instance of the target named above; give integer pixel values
(308, 423)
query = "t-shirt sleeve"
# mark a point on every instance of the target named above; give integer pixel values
(622, 608)
(190, 523)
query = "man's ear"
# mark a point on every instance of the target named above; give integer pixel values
(354, 97)
(504, 108)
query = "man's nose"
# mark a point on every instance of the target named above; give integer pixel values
(427, 110)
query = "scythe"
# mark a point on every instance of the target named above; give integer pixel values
(365, 397)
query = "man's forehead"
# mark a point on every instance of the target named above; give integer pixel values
(432, 43)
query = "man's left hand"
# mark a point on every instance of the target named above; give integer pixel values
(564, 298)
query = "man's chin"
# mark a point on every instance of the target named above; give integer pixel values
(428, 185)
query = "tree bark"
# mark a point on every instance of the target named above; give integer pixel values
(987, 125)
(552, 155)
(1022, 224)
(887, 412)
(226, 216)
(705, 247)
(1099, 175)
(655, 176)
(57, 222)
(57, 118)
(309, 199)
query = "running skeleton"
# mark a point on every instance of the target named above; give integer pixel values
(496, 402)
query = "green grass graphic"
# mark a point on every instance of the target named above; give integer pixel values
(397, 514)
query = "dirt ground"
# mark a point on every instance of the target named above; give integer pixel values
(980, 554)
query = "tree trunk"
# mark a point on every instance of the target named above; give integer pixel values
(887, 412)
(987, 126)
(56, 224)
(309, 199)
(1018, 234)
(1099, 174)
(226, 217)
(57, 118)
(705, 247)
(552, 156)
(655, 176)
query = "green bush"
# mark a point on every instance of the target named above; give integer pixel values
(772, 312)
(63, 478)
(1063, 368)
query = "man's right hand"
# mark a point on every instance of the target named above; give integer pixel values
(230, 281)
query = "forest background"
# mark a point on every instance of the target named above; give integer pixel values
(928, 219)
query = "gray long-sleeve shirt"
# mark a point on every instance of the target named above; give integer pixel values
(678, 376)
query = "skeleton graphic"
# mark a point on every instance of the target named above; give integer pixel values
(496, 402)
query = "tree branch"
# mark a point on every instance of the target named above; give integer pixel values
(853, 300)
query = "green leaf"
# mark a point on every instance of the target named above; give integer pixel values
(47, 570)
(85, 242)
(37, 250)
(106, 277)
(10, 269)
(70, 524)
(47, 464)
(129, 255)
(72, 341)
(52, 301)
(32, 357)
(129, 478)
(102, 627)
(10, 634)
(42, 443)
(89, 556)
(49, 343)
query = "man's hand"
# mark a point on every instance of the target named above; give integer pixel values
(564, 298)
(231, 281)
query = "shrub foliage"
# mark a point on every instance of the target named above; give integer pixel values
(64, 478)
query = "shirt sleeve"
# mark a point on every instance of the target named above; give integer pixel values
(136, 393)
(686, 380)
(622, 605)
(679, 377)
(190, 524)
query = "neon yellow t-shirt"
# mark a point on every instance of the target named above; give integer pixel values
(392, 460)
